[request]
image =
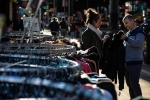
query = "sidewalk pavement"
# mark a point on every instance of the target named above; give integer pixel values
(146, 69)
(144, 83)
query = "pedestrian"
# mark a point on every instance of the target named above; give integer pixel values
(63, 27)
(92, 35)
(77, 32)
(54, 27)
(42, 26)
(134, 42)
(72, 29)
(18, 23)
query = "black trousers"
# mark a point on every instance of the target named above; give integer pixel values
(132, 75)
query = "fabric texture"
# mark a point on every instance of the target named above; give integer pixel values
(98, 32)
(90, 39)
(134, 45)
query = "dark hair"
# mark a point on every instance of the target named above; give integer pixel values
(92, 15)
(129, 16)
(62, 19)
(54, 19)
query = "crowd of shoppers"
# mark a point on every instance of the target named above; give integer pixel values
(62, 28)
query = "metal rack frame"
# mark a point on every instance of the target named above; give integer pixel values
(32, 48)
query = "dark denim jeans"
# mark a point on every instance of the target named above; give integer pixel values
(132, 79)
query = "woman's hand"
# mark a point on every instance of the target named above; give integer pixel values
(105, 37)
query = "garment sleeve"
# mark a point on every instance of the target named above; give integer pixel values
(86, 40)
(138, 41)
(121, 67)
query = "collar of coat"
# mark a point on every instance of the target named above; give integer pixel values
(97, 31)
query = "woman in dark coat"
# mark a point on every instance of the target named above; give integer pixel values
(92, 35)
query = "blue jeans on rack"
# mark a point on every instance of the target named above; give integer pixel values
(132, 79)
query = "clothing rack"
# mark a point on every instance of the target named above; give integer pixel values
(20, 68)
(22, 64)
(21, 57)
(30, 72)
(17, 34)
(37, 48)
(40, 88)
(61, 74)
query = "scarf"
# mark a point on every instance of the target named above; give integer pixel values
(97, 31)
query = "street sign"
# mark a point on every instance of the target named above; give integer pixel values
(45, 7)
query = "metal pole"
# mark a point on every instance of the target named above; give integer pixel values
(132, 7)
(37, 9)
(39, 19)
(70, 10)
(87, 4)
(54, 6)
(68, 7)
(65, 7)
(47, 17)
(114, 14)
(68, 20)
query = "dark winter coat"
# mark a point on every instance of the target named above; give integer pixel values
(113, 64)
(63, 25)
(90, 38)
(54, 26)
